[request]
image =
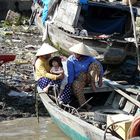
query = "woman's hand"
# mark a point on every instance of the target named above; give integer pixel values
(60, 76)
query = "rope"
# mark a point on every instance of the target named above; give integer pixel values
(111, 125)
(71, 109)
(134, 130)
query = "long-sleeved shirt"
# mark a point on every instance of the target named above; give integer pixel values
(42, 69)
(75, 67)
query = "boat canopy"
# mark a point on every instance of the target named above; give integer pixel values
(68, 14)
(107, 18)
(113, 5)
(98, 17)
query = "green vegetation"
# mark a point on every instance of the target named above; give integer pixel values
(5, 24)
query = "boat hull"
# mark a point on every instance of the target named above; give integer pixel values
(68, 131)
(71, 125)
(64, 40)
(99, 48)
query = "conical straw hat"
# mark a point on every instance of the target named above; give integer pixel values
(45, 49)
(83, 49)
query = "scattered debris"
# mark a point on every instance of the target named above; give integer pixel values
(17, 97)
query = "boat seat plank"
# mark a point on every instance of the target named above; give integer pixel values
(128, 88)
(88, 89)
(102, 89)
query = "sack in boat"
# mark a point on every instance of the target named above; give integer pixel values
(114, 56)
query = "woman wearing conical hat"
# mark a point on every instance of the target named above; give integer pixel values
(42, 68)
(83, 69)
(43, 75)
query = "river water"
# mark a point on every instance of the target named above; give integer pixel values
(29, 129)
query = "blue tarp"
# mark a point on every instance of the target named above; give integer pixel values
(106, 26)
(109, 24)
(45, 10)
(114, 5)
(83, 1)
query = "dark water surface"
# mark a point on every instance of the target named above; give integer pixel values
(29, 129)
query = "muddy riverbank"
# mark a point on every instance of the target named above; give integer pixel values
(15, 104)
(17, 98)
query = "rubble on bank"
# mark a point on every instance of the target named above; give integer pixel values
(17, 97)
(17, 104)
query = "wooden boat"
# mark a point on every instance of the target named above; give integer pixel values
(113, 111)
(114, 107)
(100, 25)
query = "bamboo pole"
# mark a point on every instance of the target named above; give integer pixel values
(135, 36)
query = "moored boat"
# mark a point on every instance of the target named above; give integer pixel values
(100, 25)
(114, 106)
(112, 113)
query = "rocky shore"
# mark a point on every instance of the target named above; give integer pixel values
(17, 98)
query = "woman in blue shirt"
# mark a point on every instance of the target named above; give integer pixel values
(83, 69)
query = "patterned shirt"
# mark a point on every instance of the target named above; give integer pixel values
(42, 69)
(75, 67)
